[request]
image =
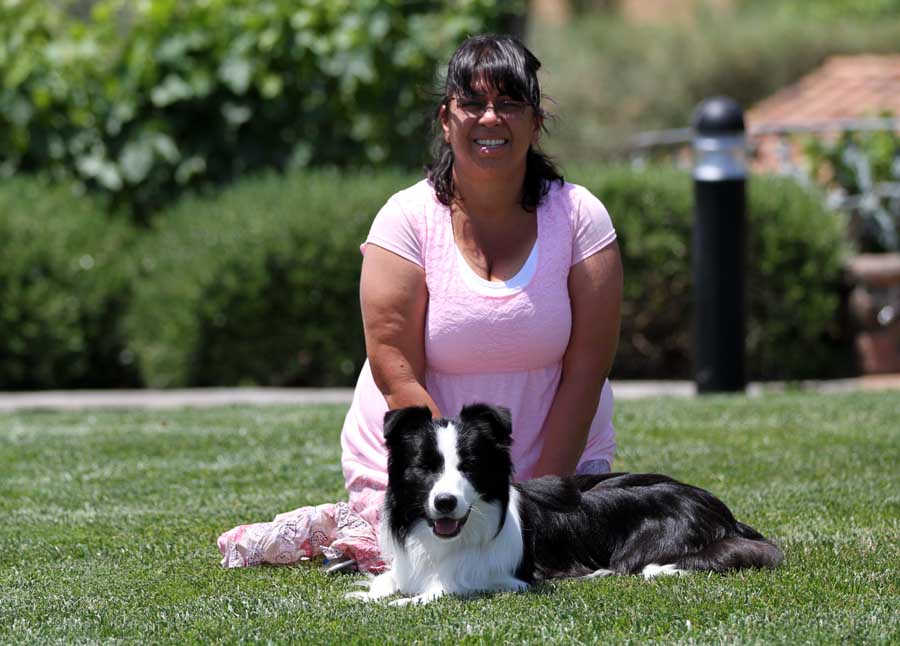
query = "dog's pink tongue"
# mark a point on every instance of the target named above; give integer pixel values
(445, 526)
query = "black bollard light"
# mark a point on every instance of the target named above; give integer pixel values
(718, 249)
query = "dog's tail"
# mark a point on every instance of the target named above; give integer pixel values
(734, 553)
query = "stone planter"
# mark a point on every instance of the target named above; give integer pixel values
(875, 308)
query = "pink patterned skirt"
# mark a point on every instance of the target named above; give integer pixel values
(338, 531)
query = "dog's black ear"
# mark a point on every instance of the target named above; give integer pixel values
(496, 418)
(396, 421)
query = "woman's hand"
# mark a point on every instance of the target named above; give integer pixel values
(595, 291)
(394, 298)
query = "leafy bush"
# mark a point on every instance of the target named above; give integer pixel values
(794, 275)
(149, 98)
(862, 170)
(259, 285)
(64, 284)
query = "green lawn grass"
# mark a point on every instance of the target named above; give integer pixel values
(108, 522)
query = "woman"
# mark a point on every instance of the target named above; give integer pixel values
(491, 280)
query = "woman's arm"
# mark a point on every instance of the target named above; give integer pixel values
(595, 291)
(394, 297)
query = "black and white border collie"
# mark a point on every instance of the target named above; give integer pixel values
(455, 523)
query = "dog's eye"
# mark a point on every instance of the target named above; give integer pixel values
(417, 472)
(432, 465)
(465, 465)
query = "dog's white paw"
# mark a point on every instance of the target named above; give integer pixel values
(599, 573)
(380, 587)
(654, 570)
(418, 600)
(513, 585)
(399, 603)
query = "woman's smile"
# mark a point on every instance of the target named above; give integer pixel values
(491, 145)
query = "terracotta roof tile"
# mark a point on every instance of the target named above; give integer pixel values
(843, 87)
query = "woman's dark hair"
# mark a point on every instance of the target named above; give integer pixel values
(506, 65)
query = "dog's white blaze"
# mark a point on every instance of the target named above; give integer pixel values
(451, 480)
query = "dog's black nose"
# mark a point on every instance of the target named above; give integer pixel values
(445, 503)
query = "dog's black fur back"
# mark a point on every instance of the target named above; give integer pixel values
(623, 522)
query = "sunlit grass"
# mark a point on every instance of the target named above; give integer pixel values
(109, 522)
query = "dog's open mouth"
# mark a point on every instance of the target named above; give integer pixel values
(448, 527)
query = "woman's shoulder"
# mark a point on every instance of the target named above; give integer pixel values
(570, 193)
(402, 224)
(573, 200)
(410, 206)
(415, 197)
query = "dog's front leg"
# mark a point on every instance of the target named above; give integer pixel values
(383, 585)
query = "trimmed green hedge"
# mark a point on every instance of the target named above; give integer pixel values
(796, 250)
(259, 284)
(64, 286)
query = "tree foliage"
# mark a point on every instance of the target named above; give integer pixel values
(145, 99)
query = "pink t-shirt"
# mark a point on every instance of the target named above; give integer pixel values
(495, 342)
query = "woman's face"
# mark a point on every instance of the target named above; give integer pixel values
(489, 133)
